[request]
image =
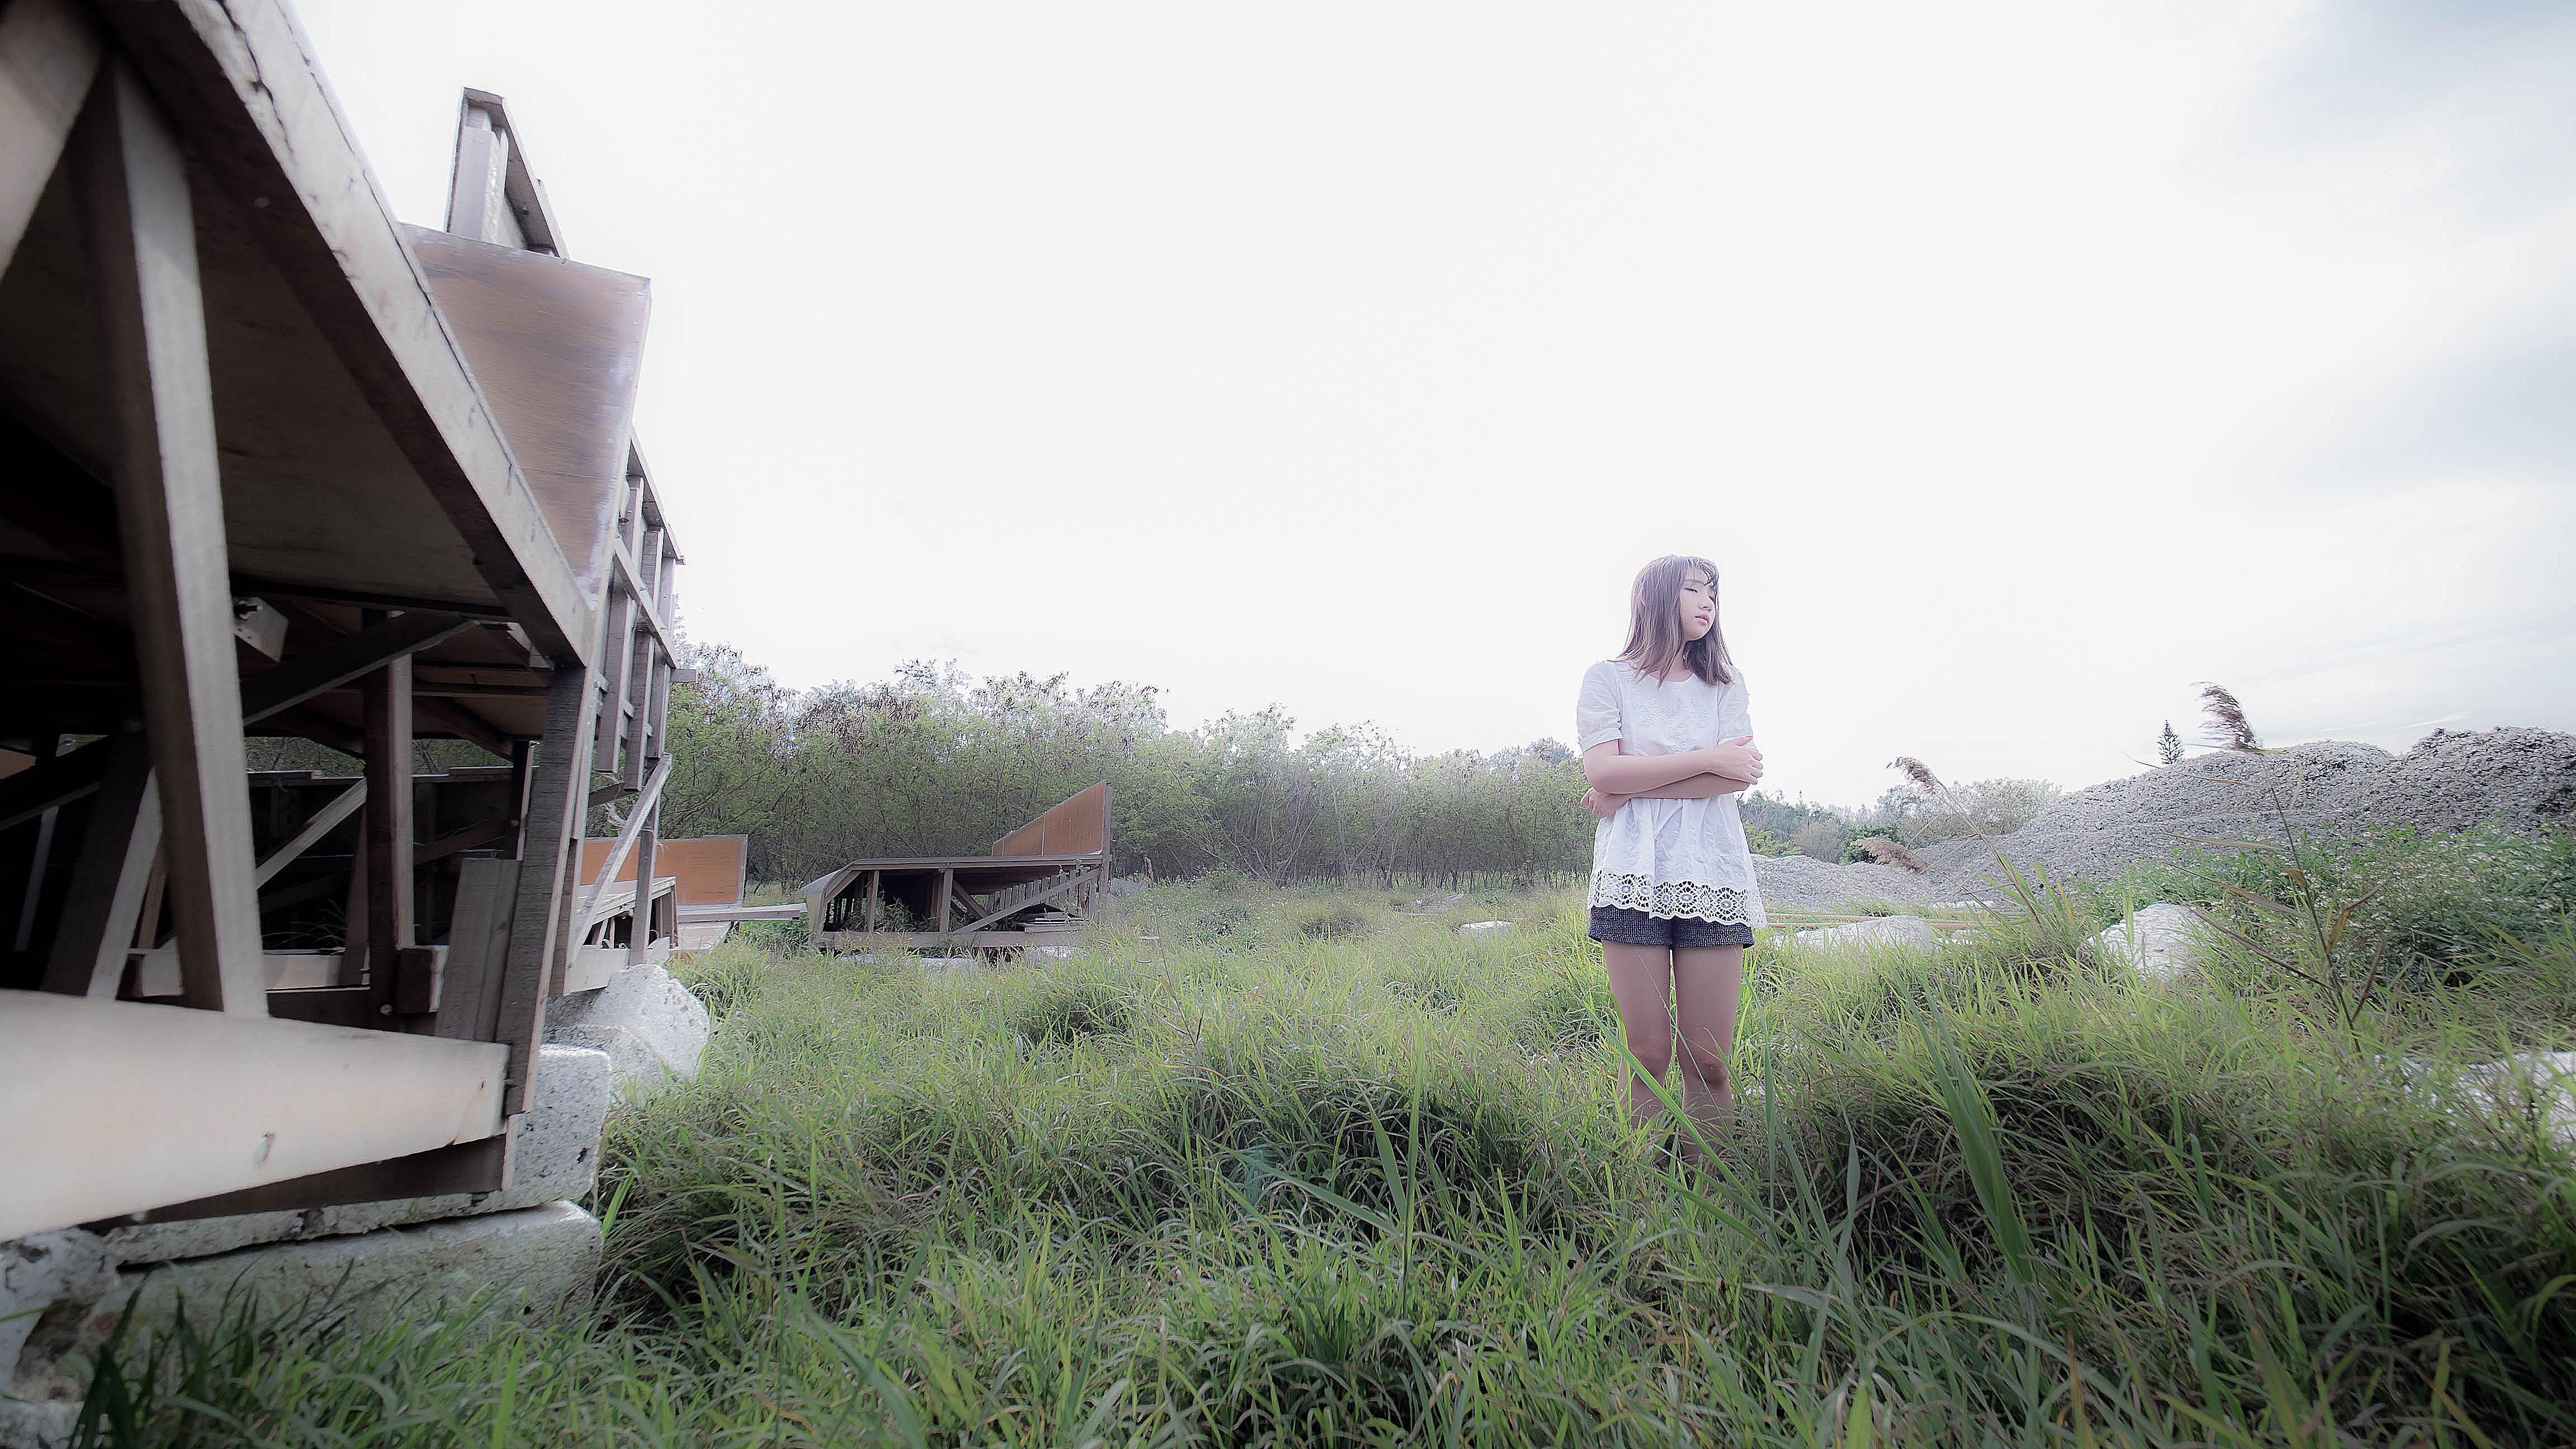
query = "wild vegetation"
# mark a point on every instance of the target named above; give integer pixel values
(931, 762)
(1297, 1166)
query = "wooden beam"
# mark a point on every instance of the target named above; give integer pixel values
(238, 76)
(458, 721)
(49, 51)
(876, 883)
(626, 838)
(480, 1166)
(203, 1102)
(319, 671)
(110, 878)
(549, 858)
(323, 822)
(388, 822)
(1054, 892)
(170, 515)
(939, 912)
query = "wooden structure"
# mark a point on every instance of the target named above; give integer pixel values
(273, 463)
(695, 903)
(1036, 885)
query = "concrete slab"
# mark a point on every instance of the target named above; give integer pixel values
(1487, 928)
(1885, 931)
(535, 1265)
(651, 1026)
(67, 1266)
(2156, 942)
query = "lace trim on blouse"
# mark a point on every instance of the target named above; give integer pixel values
(1672, 899)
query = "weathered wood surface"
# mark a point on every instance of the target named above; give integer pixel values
(49, 52)
(202, 1102)
(236, 76)
(170, 517)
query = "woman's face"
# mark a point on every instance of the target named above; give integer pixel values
(1698, 605)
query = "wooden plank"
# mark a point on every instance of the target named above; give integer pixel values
(49, 51)
(592, 967)
(170, 517)
(550, 845)
(202, 1102)
(1055, 892)
(478, 949)
(1076, 826)
(642, 813)
(237, 76)
(110, 877)
(710, 868)
(482, 1165)
(324, 821)
(388, 824)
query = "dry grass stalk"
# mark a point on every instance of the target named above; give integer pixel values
(1888, 852)
(2236, 733)
(1920, 773)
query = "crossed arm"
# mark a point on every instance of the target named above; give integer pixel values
(1691, 775)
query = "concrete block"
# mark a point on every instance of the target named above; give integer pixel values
(2541, 1085)
(2156, 942)
(41, 1424)
(1884, 931)
(555, 1157)
(538, 1264)
(651, 1026)
(1487, 928)
(37, 1272)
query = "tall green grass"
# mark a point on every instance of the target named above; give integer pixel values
(1227, 1179)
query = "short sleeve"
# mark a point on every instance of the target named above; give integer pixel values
(1737, 714)
(1596, 708)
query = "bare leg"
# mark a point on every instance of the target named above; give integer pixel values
(1709, 984)
(1641, 980)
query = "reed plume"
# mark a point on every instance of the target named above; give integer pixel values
(2236, 733)
(1888, 852)
(1920, 773)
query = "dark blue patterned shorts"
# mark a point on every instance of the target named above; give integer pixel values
(1636, 928)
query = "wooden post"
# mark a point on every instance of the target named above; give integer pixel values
(558, 797)
(38, 857)
(388, 828)
(939, 912)
(646, 842)
(49, 49)
(876, 879)
(111, 878)
(170, 521)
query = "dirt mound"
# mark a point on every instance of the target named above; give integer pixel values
(2522, 779)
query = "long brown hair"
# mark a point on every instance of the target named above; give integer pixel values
(1655, 622)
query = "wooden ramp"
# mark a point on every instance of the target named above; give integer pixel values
(1036, 887)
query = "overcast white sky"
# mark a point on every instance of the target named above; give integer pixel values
(2019, 364)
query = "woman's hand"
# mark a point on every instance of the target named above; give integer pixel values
(1736, 760)
(1602, 805)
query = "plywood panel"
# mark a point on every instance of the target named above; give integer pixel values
(1079, 826)
(709, 869)
(556, 348)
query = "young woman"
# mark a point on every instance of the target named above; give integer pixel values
(1667, 741)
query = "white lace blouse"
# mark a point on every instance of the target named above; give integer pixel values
(1669, 858)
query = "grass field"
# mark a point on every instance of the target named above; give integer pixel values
(1267, 1167)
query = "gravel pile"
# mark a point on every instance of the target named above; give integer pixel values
(1803, 883)
(2523, 779)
